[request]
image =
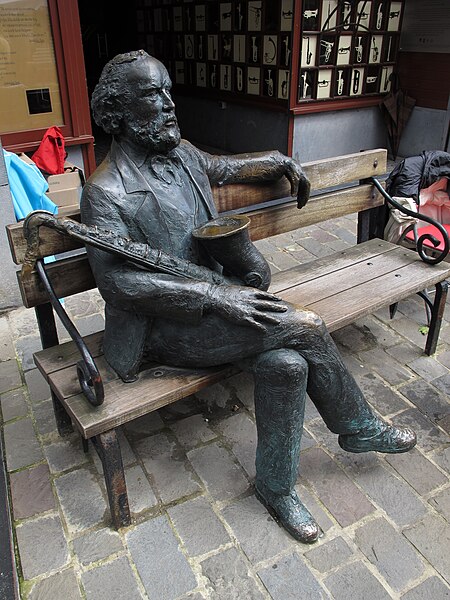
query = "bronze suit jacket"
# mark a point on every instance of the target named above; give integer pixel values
(118, 198)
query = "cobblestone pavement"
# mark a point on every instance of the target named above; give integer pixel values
(198, 532)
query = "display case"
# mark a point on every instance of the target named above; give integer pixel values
(239, 48)
(348, 49)
(304, 55)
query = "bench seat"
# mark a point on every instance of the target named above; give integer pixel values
(342, 287)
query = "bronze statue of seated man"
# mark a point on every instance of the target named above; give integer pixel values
(155, 188)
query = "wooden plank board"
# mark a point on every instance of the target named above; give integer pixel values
(65, 355)
(322, 266)
(125, 402)
(270, 221)
(348, 277)
(325, 173)
(68, 276)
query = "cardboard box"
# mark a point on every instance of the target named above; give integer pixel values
(65, 189)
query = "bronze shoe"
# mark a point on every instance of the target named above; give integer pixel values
(380, 438)
(289, 512)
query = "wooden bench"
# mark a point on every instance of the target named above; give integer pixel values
(341, 288)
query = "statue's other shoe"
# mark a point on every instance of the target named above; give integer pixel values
(380, 438)
(291, 514)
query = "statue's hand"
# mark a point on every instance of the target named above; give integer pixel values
(300, 185)
(245, 306)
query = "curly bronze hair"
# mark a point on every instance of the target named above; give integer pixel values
(111, 92)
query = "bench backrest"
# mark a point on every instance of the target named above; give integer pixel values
(336, 191)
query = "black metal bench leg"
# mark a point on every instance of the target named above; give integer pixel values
(436, 317)
(108, 448)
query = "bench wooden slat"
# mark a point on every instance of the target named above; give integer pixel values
(73, 275)
(341, 288)
(125, 402)
(344, 308)
(347, 278)
(68, 276)
(66, 354)
(319, 267)
(325, 173)
(270, 221)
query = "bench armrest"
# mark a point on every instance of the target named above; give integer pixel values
(88, 374)
(441, 254)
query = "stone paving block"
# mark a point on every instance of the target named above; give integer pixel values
(427, 399)
(89, 324)
(229, 578)
(25, 348)
(166, 464)
(112, 581)
(417, 470)
(258, 534)
(431, 589)
(198, 526)
(441, 502)
(427, 367)
(443, 383)
(392, 555)
(430, 536)
(284, 260)
(9, 376)
(357, 582)
(222, 477)
(240, 431)
(144, 426)
(393, 495)
(45, 417)
(31, 492)
(429, 437)
(63, 585)
(410, 329)
(38, 388)
(192, 431)
(6, 346)
(162, 567)
(338, 493)
(81, 499)
(329, 555)
(444, 358)
(355, 339)
(179, 410)
(22, 322)
(217, 395)
(442, 458)
(42, 546)
(140, 494)
(444, 423)
(13, 404)
(405, 352)
(66, 454)
(345, 234)
(97, 545)
(243, 386)
(313, 247)
(315, 508)
(385, 336)
(287, 576)
(381, 363)
(21, 444)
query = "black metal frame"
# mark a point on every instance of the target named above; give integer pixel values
(88, 374)
(432, 260)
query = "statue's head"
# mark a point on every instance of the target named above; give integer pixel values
(132, 101)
